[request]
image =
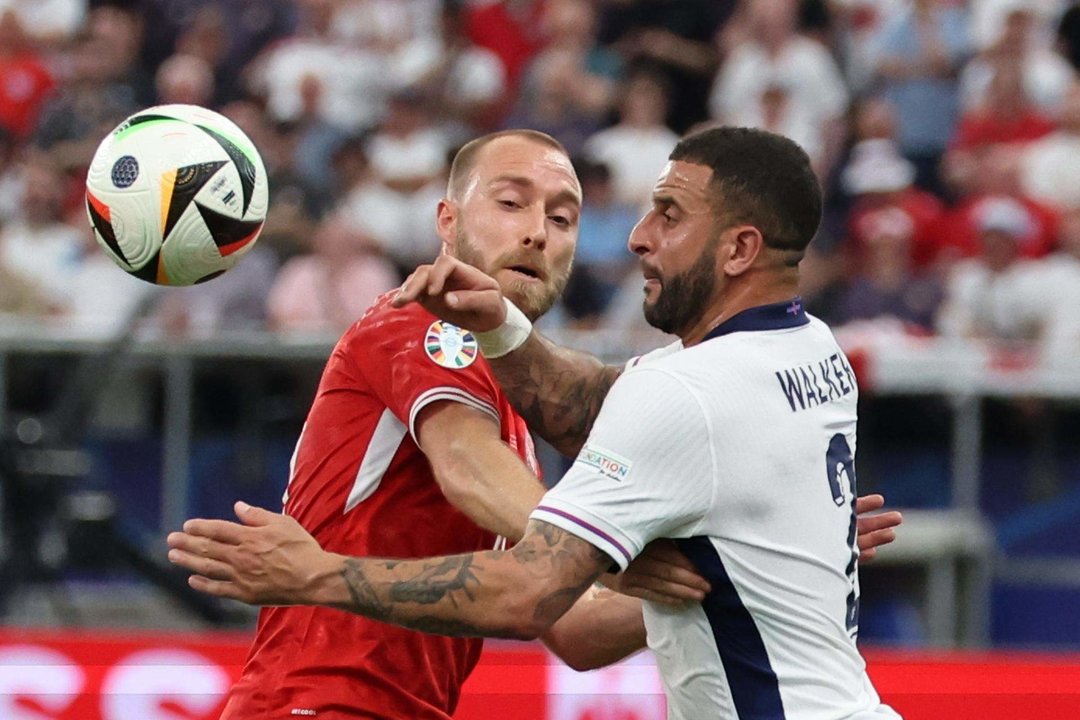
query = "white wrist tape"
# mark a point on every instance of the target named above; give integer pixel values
(508, 337)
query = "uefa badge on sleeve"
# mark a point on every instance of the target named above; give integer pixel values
(450, 346)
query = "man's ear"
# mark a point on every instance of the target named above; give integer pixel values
(745, 245)
(446, 220)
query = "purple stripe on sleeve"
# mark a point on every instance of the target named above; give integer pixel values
(587, 526)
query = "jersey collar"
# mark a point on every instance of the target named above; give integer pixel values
(776, 316)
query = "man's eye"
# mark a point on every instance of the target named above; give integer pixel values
(509, 203)
(560, 220)
(668, 217)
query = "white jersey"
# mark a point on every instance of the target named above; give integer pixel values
(742, 448)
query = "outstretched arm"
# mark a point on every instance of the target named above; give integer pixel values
(558, 391)
(271, 560)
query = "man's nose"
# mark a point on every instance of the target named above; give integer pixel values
(639, 242)
(536, 230)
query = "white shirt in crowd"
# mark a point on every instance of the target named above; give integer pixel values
(635, 157)
(1006, 305)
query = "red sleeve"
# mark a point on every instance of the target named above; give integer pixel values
(411, 359)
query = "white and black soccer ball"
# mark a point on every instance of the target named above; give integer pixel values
(176, 194)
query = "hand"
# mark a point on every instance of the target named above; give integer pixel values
(456, 292)
(874, 530)
(269, 560)
(660, 574)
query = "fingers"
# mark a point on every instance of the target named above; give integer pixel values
(413, 287)
(668, 592)
(205, 566)
(869, 503)
(663, 574)
(198, 545)
(255, 516)
(218, 588)
(871, 523)
(873, 540)
(217, 530)
(665, 551)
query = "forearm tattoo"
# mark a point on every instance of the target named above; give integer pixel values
(447, 596)
(558, 391)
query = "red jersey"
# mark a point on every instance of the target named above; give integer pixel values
(360, 484)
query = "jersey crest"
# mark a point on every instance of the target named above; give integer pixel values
(450, 346)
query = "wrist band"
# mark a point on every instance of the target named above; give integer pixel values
(506, 338)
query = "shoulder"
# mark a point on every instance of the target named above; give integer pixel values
(383, 325)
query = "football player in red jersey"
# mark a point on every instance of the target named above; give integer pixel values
(411, 449)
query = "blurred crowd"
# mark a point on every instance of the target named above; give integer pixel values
(946, 135)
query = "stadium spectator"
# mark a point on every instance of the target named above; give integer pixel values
(859, 25)
(777, 70)
(919, 55)
(997, 295)
(185, 79)
(464, 82)
(886, 283)
(601, 262)
(98, 300)
(407, 165)
(90, 102)
(994, 175)
(352, 79)
(25, 80)
(49, 22)
(1050, 166)
(1017, 43)
(289, 220)
(39, 245)
(637, 146)
(385, 26)
(567, 89)
(227, 34)
(327, 290)
(1060, 338)
(1005, 116)
(674, 38)
(881, 182)
(511, 29)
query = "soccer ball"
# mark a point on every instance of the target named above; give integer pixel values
(176, 194)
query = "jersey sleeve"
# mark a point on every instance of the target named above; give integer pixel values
(644, 473)
(413, 359)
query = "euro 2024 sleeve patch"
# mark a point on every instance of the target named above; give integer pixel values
(450, 346)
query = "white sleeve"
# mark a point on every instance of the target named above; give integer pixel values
(645, 472)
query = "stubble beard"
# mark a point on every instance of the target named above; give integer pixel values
(683, 297)
(533, 300)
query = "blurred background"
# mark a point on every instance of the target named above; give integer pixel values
(946, 134)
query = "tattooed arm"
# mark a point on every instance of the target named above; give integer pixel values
(558, 391)
(271, 560)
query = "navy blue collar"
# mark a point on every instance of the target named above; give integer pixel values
(777, 316)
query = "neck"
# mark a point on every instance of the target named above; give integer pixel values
(741, 294)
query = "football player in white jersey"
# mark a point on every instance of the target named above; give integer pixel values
(737, 441)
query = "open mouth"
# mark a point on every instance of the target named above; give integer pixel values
(526, 271)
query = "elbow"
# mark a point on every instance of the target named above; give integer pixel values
(525, 619)
(578, 661)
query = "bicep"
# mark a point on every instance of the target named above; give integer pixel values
(445, 427)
